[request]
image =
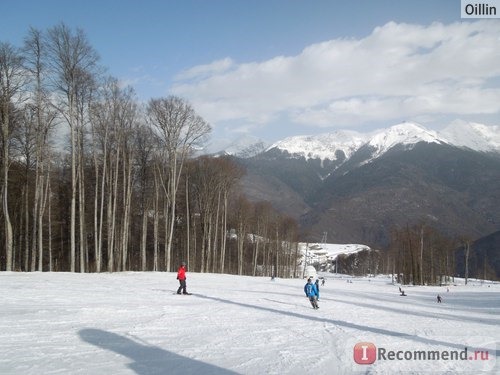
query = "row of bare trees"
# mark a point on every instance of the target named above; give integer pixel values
(421, 255)
(94, 181)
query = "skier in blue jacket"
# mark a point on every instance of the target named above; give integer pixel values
(312, 293)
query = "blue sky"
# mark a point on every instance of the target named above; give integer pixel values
(276, 68)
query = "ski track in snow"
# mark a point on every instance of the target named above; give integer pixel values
(132, 323)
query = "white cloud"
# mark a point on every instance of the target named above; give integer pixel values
(399, 70)
(203, 71)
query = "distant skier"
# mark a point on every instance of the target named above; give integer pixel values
(312, 293)
(439, 298)
(181, 276)
(323, 282)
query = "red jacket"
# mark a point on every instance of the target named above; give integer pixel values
(181, 273)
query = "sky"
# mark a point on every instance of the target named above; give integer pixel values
(278, 68)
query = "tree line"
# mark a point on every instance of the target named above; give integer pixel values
(121, 188)
(421, 255)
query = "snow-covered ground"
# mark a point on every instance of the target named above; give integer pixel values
(132, 323)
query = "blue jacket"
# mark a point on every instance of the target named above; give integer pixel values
(310, 290)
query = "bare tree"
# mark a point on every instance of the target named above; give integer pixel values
(113, 119)
(156, 219)
(25, 146)
(466, 244)
(144, 147)
(74, 64)
(262, 218)
(211, 180)
(128, 116)
(204, 182)
(243, 211)
(422, 255)
(180, 129)
(289, 236)
(100, 116)
(228, 175)
(12, 79)
(44, 116)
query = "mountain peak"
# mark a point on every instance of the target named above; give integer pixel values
(344, 143)
(406, 133)
(322, 146)
(243, 147)
(475, 136)
(326, 146)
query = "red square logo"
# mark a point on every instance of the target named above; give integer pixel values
(365, 353)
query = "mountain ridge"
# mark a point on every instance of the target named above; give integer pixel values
(403, 178)
(361, 189)
(478, 137)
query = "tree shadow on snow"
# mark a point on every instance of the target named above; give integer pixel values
(362, 328)
(147, 359)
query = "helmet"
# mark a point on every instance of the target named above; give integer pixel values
(183, 263)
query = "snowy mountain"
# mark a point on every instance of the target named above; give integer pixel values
(358, 187)
(340, 145)
(475, 136)
(242, 147)
(325, 146)
(246, 148)
(406, 134)
(328, 145)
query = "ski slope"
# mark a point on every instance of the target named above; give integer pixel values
(132, 323)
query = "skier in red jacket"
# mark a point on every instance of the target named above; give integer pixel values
(181, 276)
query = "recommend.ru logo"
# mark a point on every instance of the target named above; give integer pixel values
(365, 353)
(471, 354)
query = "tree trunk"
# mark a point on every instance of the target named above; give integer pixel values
(81, 204)
(144, 235)
(156, 219)
(126, 214)
(216, 234)
(188, 221)
(466, 258)
(5, 187)
(224, 234)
